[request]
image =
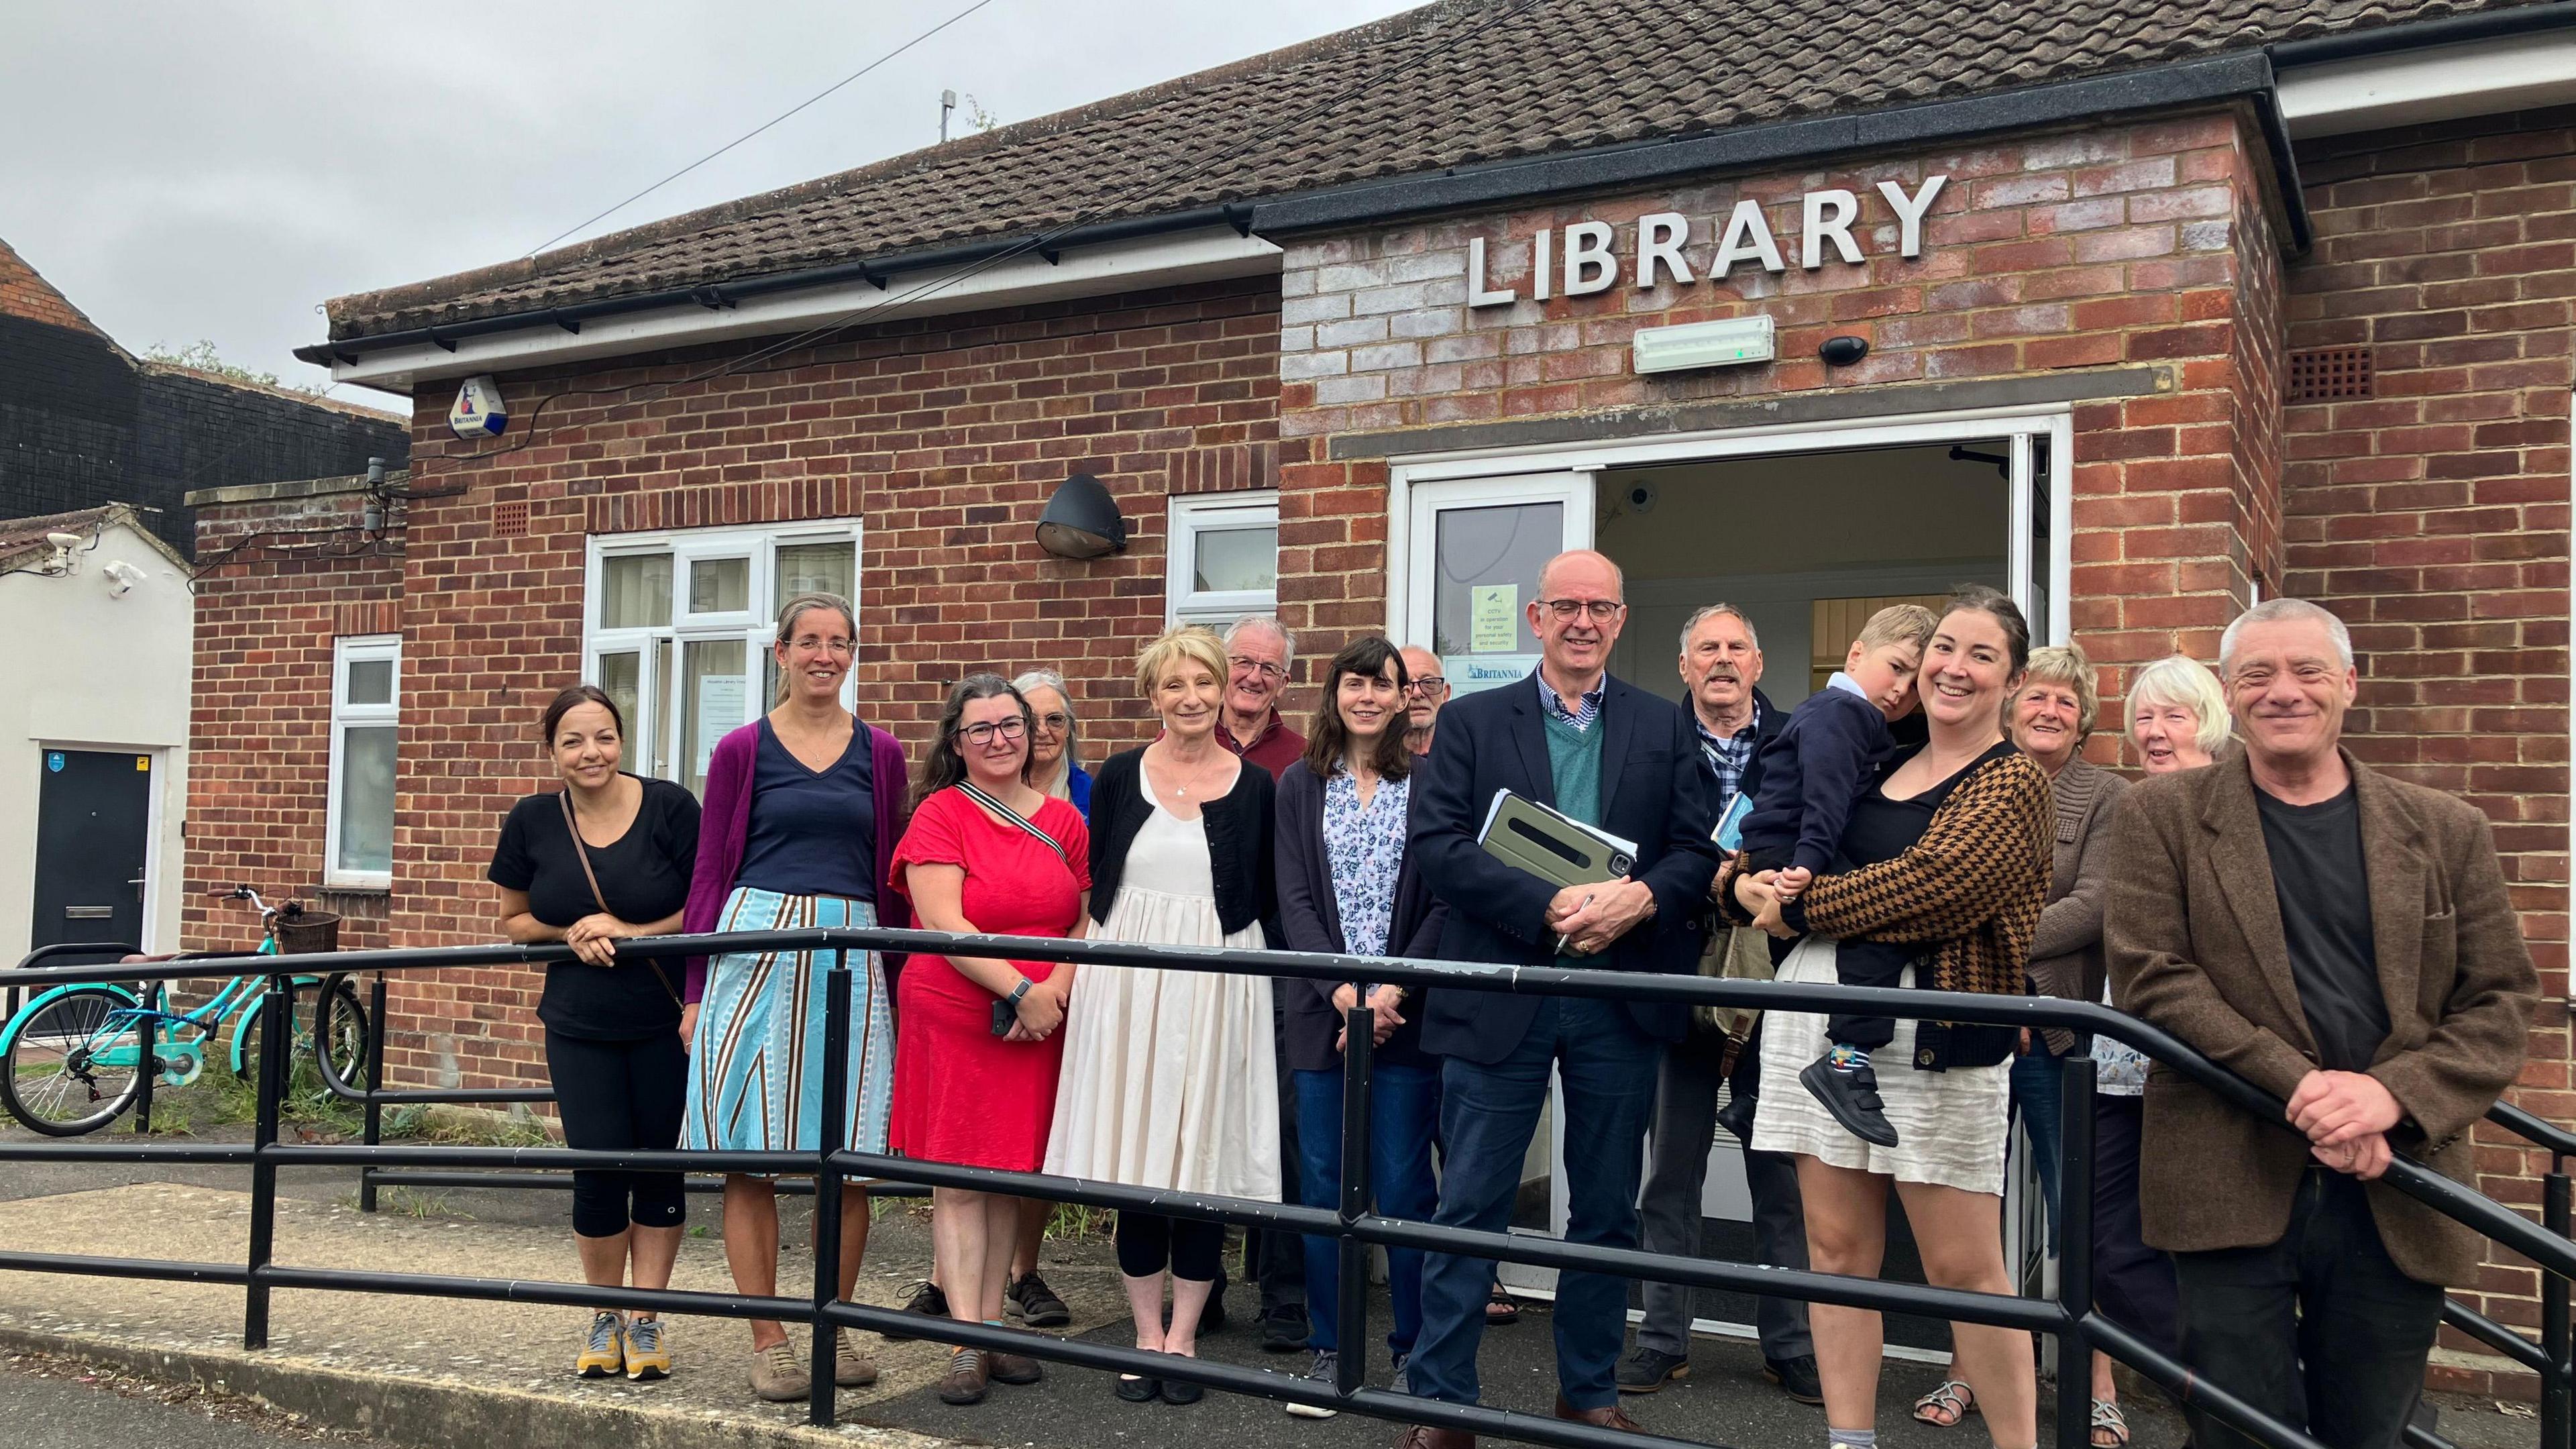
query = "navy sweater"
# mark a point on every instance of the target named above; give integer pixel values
(1810, 773)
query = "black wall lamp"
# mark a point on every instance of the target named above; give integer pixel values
(1844, 350)
(1081, 521)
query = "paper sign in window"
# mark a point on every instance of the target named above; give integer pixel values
(1494, 615)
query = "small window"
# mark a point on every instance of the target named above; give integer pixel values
(366, 697)
(1224, 558)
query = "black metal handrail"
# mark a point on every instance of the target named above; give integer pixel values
(2069, 1318)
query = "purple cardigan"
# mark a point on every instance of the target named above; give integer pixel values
(727, 820)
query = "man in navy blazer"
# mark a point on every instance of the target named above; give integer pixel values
(1626, 761)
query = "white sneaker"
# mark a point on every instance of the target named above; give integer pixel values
(1327, 1364)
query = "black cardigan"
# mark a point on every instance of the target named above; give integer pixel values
(1311, 916)
(1240, 830)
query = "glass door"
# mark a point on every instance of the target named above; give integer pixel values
(1473, 550)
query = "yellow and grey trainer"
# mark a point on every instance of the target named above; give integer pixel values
(648, 1356)
(603, 1351)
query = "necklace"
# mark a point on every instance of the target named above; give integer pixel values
(1181, 784)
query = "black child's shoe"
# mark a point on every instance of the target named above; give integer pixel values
(1851, 1094)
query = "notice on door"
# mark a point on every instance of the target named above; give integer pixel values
(1493, 618)
(720, 699)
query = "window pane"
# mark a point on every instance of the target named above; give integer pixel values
(719, 585)
(638, 591)
(712, 690)
(371, 681)
(621, 678)
(366, 799)
(661, 723)
(1487, 562)
(816, 568)
(1229, 559)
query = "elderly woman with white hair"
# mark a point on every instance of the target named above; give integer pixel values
(1055, 751)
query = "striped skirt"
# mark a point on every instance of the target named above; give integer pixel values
(756, 1063)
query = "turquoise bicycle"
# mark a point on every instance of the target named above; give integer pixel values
(72, 1059)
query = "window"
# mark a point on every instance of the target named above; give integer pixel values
(366, 696)
(1224, 558)
(679, 627)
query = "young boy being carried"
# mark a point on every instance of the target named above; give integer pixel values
(1812, 773)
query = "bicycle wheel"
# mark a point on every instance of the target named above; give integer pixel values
(340, 1020)
(74, 1062)
(345, 1019)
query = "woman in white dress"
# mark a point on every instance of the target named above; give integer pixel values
(1169, 1080)
(1949, 851)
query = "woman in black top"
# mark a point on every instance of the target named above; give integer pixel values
(613, 1044)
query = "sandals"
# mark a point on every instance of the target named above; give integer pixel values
(1946, 1406)
(1501, 1309)
(2107, 1420)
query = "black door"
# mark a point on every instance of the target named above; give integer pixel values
(93, 832)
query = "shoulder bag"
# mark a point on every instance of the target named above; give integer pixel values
(581, 852)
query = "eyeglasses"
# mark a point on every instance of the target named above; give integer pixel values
(1055, 724)
(1602, 611)
(1428, 684)
(1263, 667)
(980, 735)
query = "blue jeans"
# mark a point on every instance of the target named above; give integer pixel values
(1403, 1101)
(2038, 1090)
(1488, 1114)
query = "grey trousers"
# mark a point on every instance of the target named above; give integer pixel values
(1668, 1209)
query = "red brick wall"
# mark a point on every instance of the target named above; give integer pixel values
(946, 437)
(2433, 516)
(259, 738)
(2118, 246)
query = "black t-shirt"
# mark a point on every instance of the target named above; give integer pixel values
(2325, 912)
(644, 876)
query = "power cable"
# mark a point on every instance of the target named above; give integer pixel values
(765, 125)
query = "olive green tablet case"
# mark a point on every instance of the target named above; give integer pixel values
(1553, 846)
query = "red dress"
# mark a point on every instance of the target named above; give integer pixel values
(962, 1094)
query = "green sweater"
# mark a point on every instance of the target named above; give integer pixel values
(1574, 759)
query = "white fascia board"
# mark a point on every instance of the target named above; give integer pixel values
(1165, 261)
(2439, 83)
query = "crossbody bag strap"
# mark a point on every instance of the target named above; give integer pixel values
(581, 852)
(985, 798)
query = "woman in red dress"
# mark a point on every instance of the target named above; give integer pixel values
(985, 853)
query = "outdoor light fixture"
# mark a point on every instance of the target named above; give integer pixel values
(1726, 343)
(1843, 351)
(1081, 521)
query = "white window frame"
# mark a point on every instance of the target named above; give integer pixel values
(1207, 513)
(347, 650)
(756, 625)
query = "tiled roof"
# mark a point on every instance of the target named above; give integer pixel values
(20, 536)
(1451, 84)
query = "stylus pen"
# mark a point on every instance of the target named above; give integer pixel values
(1578, 910)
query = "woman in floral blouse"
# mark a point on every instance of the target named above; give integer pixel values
(1345, 887)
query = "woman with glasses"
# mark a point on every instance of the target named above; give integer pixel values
(1346, 887)
(977, 1058)
(803, 809)
(1055, 741)
(1168, 1076)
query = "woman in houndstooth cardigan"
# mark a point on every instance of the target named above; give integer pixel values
(1948, 850)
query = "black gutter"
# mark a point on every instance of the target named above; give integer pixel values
(2422, 34)
(2238, 75)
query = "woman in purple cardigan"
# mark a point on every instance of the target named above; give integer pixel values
(803, 809)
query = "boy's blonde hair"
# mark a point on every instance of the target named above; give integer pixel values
(1898, 624)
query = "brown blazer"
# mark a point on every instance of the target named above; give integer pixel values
(2066, 951)
(2195, 943)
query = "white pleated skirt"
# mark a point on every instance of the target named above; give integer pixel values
(1950, 1126)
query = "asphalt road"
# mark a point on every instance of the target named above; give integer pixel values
(51, 1405)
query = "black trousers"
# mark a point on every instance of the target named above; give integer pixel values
(1277, 1261)
(1149, 1242)
(2133, 1284)
(1856, 963)
(620, 1095)
(2319, 1330)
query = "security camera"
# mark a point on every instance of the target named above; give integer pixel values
(121, 578)
(1640, 497)
(63, 542)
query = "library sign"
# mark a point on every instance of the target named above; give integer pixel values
(1578, 258)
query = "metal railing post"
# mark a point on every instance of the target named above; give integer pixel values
(827, 1184)
(2075, 1252)
(1350, 1318)
(375, 1110)
(147, 1034)
(276, 1037)
(2555, 1392)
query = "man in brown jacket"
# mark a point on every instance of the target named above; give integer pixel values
(2344, 941)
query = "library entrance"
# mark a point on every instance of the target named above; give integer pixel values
(1806, 531)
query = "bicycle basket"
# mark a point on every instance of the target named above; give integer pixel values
(307, 933)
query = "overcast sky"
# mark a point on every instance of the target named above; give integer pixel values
(216, 170)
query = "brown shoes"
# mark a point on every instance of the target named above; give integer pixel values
(851, 1369)
(1608, 1416)
(1423, 1436)
(968, 1376)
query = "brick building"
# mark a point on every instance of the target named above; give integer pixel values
(2167, 308)
(84, 423)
